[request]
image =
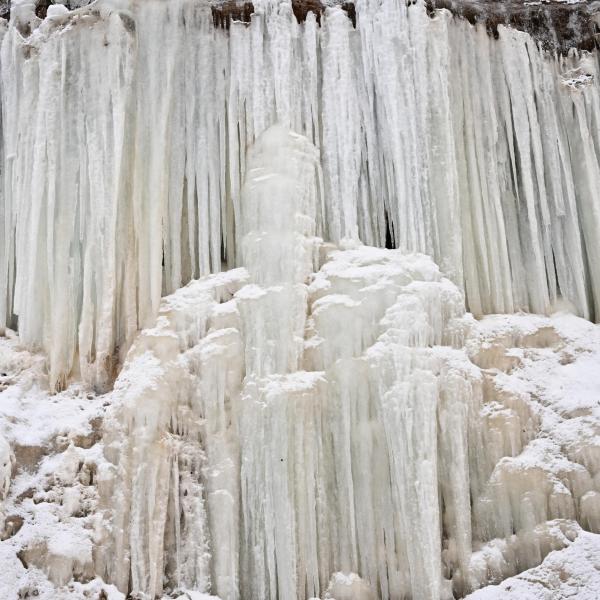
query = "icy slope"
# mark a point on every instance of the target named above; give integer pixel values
(570, 573)
(49, 513)
(125, 127)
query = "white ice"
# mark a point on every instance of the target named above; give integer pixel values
(278, 426)
(295, 414)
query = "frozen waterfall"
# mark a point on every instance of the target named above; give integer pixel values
(325, 398)
(252, 243)
(125, 127)
(320, 422)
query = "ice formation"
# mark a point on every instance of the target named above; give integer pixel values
(126, 124)
(197, 210)
(7, 463)
(287, 430)
(569, 573)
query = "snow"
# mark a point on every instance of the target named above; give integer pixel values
(570, 573)
(52, 439)
(29, 415)
(349, 586)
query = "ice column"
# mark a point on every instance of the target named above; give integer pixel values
(279, 405)
(171, 482)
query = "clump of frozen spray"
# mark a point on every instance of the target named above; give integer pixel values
(281, 199)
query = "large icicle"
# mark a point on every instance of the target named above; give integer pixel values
(280, 199)
(65, 169)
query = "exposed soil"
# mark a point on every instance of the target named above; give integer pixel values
(557, 26)
(41, 8)
(229, 11)
(301, 9)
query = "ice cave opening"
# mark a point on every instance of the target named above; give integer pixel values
(297, 300)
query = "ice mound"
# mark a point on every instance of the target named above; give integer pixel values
(320, 410)
(310, 437)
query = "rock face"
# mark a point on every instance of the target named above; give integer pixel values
(556, 26)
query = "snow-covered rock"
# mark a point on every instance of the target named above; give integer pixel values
(564, 574)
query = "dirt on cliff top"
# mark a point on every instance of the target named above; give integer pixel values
(556, 25)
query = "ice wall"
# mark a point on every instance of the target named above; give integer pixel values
(124, 135)
(328, 422)
(254, 439)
